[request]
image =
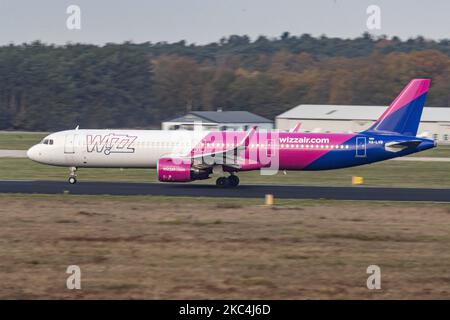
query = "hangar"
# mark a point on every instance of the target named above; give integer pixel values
(218, 120)
(435, 122)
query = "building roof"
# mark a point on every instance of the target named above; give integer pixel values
(343, 112)
(222, 117)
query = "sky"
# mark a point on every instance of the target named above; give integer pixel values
(205, 21)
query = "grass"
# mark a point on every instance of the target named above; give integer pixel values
(193, 248)
(19, 140)
(439, 151)
(383, 174)
(219, 203)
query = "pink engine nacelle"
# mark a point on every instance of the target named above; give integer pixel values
(179, 170)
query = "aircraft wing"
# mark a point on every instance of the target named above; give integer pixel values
(227, 157)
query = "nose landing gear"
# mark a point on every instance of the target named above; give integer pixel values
(231, 181)
(73, 175)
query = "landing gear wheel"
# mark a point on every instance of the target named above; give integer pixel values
(222, 182)
(72, 180)
(73, 175)
(233, 181)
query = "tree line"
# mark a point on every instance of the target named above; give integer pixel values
(49, 87)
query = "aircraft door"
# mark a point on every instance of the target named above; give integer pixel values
(361, 145)
(69, 144)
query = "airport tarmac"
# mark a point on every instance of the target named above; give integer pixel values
(243, 191)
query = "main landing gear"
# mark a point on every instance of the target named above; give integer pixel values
(231, 181)
(73, 175)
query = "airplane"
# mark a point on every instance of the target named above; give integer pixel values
(184, 156)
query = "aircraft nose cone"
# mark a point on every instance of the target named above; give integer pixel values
(32, 153)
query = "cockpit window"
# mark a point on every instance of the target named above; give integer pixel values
(47, 141)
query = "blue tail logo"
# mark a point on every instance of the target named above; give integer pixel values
(403, 115)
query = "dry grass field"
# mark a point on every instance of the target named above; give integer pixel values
(180, 248)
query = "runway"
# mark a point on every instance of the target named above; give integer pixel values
(243, 191)
(13, 153)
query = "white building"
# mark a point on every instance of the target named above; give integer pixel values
(218, 120)
(435, 122)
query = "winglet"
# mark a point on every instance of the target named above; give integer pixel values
(245, 142)
(296, 128)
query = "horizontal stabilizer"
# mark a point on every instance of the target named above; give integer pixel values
(396, 146)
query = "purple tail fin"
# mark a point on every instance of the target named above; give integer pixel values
(403, 115)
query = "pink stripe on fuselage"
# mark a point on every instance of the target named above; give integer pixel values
(294, 151)
(413, 90)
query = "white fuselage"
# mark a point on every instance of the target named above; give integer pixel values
(113, 148)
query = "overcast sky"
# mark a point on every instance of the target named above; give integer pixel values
(203, 21)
